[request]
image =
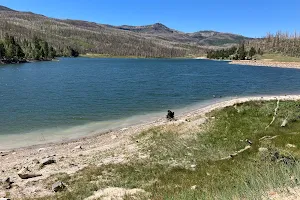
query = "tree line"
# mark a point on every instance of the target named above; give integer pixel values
(234, 53)
(13, 50)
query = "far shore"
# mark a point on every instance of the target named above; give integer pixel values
(90, 55)
(266, 63)
(113, 147)
(12, 62)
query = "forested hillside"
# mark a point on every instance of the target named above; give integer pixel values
(282, 43)
(154, 40)
(13, 51)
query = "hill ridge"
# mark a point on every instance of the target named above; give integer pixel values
(154, 40)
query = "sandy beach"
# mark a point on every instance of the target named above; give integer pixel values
(267, 63)
(112, 147)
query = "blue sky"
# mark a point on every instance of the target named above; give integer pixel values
(247, 17)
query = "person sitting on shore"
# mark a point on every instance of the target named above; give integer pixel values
(170, 115)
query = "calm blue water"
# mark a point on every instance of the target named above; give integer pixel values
(44, 95)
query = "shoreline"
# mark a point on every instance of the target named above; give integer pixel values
(193, 110)
(265, 63)
(111, 147)
(24, 61)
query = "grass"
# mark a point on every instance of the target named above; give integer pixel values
(278, 58)
(173, 149)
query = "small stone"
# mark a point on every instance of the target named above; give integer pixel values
(262, 149)
(233, 155)
(290, 146)
(194, 187)
(113, 137)
(58, 186)
(7, 183)
(78, 147)
(193, 166)
(284, 123)
(249, 141)
(4, 198)
(41, 149)
(36, 161)
(3, 154)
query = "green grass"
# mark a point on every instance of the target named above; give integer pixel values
(172, 149)
(278, 58)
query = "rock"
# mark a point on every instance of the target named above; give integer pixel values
(284, 123)
(113, 137)
(288, 160)
(24, 173)
(47, 161)
(58, 186)
(78, 147)
(193, 166)
(41, 149)
(4, 198)
(7, 183)
(249, 141)
(3, 154)
(233, 155)
(290, 146)
(262, 149)
(35, 161)
(194, 187)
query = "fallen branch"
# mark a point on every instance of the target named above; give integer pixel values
(274, 116)
(236, 153)
(269, 137)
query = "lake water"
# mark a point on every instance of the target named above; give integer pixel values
(80, 96)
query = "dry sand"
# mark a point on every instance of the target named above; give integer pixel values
(267, 63)
(113, 147)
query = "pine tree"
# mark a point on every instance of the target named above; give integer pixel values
(19, 52)
(241, 52)
(252, 52)
(2, 50)
(52, 53)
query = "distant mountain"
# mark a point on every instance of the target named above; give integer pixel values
(156, 40)
(157, 28)
(203, 38)
(214, 38)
